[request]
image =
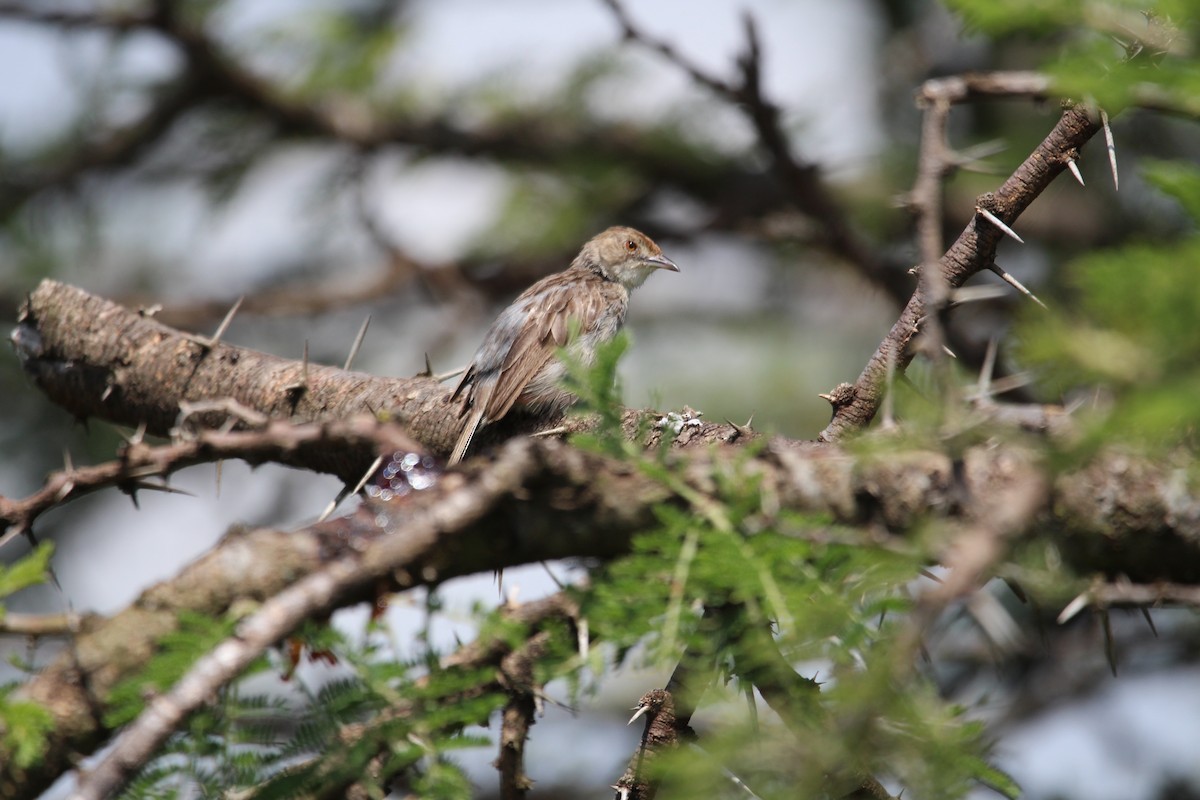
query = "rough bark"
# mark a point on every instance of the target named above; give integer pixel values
(95, 358)
(547, 500)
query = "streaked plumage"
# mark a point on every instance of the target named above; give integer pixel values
(516, 365)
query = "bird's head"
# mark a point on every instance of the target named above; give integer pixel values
(625, 255)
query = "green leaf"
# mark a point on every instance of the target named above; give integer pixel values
(179, 650)
(599, 392)
(1178, 179)
(996, 779)
(23, 730)
(28, 571)
(1012, 16)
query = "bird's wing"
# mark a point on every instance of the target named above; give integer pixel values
(548, 307)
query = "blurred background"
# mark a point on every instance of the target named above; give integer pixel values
(422, 162)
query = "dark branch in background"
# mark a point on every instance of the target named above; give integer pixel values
(519, 140)
(118, 148)
(801, 181)
(974, 251)
(212, 75)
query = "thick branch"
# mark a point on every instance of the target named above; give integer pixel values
(97, 359)
(540, 499)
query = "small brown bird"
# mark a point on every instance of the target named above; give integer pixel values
(663, 733)
(516, 365)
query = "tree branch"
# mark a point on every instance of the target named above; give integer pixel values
(276, 441)
(97, 359)
(801, 181)
(973, 251)
(539, 499)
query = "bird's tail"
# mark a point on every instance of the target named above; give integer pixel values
(464, 438)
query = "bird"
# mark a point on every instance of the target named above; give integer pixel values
(663, 733)
(516, 365)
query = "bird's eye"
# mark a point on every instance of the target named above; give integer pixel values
(631, 245)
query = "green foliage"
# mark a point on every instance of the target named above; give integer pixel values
(379, 718)
(1131, 335)
(23, 728)
(1029, 16)
(1180, 181)
(231, 742)
(598, 388)
(730, 579)
(23, 724)
(759, 591)
(31, 570)
(178, 651)
(1115, 53)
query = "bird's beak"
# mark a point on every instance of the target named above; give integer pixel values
(642, 709)
(662, 262)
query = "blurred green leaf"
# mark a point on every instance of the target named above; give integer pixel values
(1011, 16)
(23, 728)
(1177, 179)
(30, 570)
(178, 651)
(1131, 334)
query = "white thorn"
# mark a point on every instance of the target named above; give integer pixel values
(329, 509)
(347, 491)
(948, 352)
(987, 370)
(1112, 150)
(376, 464)
(992, 218)
(1071, 165)
(216, 337)
(1016, 284)
(583, 638)
(358, 340)
(1073, 608)
(445, 376)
